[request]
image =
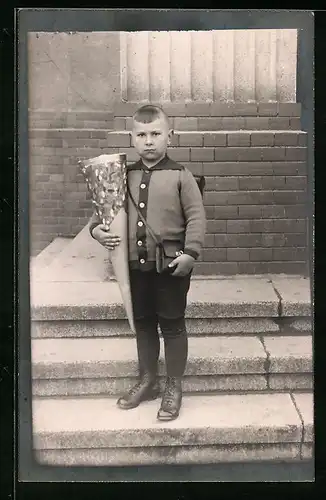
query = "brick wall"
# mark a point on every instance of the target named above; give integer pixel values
(253, 157)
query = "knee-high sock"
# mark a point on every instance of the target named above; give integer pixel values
(148, 345)
(175, 344)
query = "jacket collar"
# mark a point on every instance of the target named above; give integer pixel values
(165, 164)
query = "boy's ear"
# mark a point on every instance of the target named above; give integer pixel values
(170, 135)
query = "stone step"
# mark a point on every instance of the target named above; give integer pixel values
(65, 295)
(44, 258)
(210, 429)
(195, 327)
(109, 365)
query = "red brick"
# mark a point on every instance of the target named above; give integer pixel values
(261, 226)
(267, 109)
(296, 211)
(250, 212)
(289, 109)
(248, 183)
(273, 240)
(216, 226)
(221, 183)
(253, 267)
(286, 139)
(99, 134)
(210, 124)
(202, 154)
(222, 109)
(278, 123)
(273, 212)
(198, 109)
(238, 254)
(214, 254)
(221, 240)
(289, 226)
(302, 139)
(242, 240)
(295, 240)
(296, 153)
(216, 268)
(191, 139)
(273, 154)
(46, 160)
(256, 123)
(119, 123)
(289, 168)
(295, 123)
(262, 138)
(238, 139)
(179, 154)
(287, 268)
(216, 198)
(223, 212)
(274, 182)
(186, 124)
(289, 197)
(115, 139)
(237, 154)
(233, 123)
(296, 182)
(261, 254)
(48, 143)
(209, 240)
(214, 139)
(194, 167)
(295, 254)
(210, 212)
(238, 226)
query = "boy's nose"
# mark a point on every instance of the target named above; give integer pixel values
(148, 140)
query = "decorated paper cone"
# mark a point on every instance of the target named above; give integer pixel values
(106, 178)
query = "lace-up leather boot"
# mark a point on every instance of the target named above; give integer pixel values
(171, 401)
(146, 389)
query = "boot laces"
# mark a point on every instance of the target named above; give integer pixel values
(169, 392)
(138, 386)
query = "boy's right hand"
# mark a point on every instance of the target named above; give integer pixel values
(107, 239)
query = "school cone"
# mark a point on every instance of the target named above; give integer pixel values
(106, 179)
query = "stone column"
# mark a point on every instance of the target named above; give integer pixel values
(221, 65)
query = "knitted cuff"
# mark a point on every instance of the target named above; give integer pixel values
(192, 253)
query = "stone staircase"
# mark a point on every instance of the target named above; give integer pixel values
(247, 389)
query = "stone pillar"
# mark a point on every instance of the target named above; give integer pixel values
(223, 65)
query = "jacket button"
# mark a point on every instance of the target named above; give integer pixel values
(142, 261)
(142, 186)
(141, 204)
(140, 224)
(139, 243)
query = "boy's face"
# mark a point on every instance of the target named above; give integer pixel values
(151, 140)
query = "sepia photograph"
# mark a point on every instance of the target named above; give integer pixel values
(170, 277)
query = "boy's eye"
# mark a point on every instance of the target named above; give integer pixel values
(156, 133)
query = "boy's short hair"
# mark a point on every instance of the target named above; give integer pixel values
(149, 113)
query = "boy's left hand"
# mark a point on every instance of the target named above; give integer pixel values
(184, 264)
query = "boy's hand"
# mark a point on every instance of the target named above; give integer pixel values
(184, 264)
(108, 240)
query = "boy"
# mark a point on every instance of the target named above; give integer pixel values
(170, 201)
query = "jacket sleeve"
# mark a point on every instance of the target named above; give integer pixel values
(194, 212)
(94, 221)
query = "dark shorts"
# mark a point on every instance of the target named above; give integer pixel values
(160, 295)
